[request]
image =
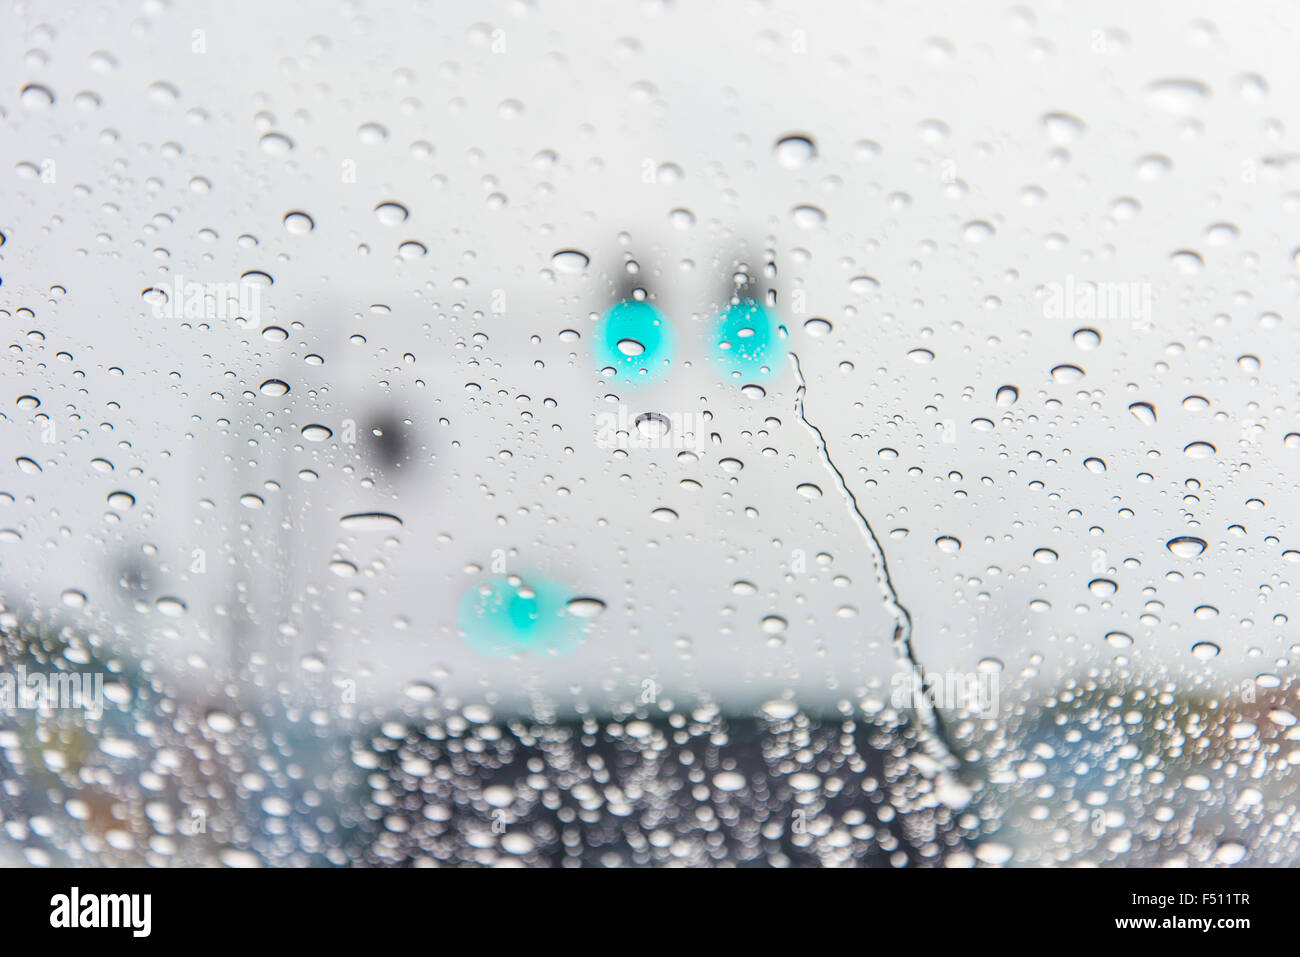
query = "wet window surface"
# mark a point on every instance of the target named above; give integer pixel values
(530, 434)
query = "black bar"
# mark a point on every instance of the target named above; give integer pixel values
(1054, 908)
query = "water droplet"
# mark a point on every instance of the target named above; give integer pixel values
(1186, 546)
(1144, 412)
(102, 62)
(372, 134)
(1062, 128)
(1182, 96)
(121, 499)
(220, 722)
(779, 710)
(1220, 234)
(653, 425)
(570, 260)
(585, 607)
(1188, 262)
(420, 691)
(795, 151)
(864, 285)
(35, 97)
(729, 781)
(298, 223)
(1087, 338)
(808, 217)
(162, 93)
(370, 522)
(275, 144)
(994, 854)
(169, 606)
(1153, 167)
(391, 214)
(681, 218)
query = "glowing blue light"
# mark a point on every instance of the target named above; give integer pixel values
(505, 616)
(745, 341)
(635, 339)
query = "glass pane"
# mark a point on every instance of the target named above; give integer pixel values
(671, 434)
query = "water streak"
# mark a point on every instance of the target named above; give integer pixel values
(930, 726)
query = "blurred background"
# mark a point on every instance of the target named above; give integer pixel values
(531, 434)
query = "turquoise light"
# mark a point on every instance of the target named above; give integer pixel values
(745, 343)
(630, 322)
(501, 617)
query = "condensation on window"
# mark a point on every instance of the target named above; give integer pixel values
(533, 433)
